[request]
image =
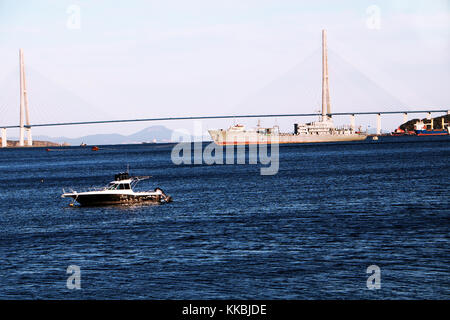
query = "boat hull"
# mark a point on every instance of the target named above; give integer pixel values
(223, 137)
(113, 199)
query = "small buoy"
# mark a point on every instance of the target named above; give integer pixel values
(42, 180)
(95, 148)
(71, 204)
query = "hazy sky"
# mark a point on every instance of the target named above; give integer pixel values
(91, 60)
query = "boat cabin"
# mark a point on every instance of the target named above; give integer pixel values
(121, 176)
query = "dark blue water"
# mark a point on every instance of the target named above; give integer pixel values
(308, 232)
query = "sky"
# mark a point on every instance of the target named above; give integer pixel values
(95, 60)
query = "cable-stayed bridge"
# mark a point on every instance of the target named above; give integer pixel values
(351, 114)
(25, 125)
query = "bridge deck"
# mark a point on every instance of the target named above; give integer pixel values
(224, 117)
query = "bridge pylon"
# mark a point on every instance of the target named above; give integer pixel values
(4, 141)
(24, 106)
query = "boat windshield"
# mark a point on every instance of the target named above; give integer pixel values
(112, 186)
(118, 186)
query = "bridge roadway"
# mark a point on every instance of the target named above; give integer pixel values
(378, 113)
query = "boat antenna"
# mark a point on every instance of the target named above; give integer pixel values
(128, 168)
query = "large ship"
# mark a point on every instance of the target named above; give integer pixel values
(322, 130)
(421, 129)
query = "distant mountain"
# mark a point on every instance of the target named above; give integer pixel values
(150, 134)
(160, 133)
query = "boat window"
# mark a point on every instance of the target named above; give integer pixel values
(112, 186)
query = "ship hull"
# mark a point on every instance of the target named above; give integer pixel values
(222, 137)
(431, 132)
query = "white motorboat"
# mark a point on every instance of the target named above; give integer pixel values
(119, 191)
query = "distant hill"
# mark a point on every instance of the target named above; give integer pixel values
(160, 133)
(150, 134)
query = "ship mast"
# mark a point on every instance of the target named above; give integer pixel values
(325, 85)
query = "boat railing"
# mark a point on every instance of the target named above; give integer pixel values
(133, 183)
(86, 189)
